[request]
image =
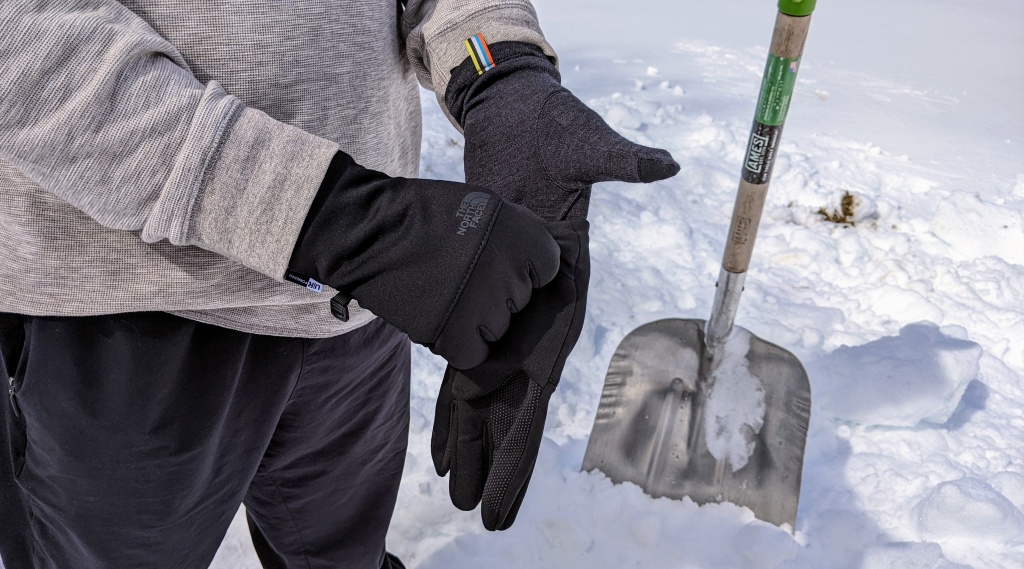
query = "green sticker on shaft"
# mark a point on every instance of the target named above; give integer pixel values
(776, 90)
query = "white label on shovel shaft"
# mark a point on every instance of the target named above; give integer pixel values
(734, 412)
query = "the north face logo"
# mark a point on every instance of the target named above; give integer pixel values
(471, 210)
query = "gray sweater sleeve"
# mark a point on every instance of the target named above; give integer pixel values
(100, 110)
(436, 29)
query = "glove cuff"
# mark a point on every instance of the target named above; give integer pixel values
(490, 64)
(302, 265)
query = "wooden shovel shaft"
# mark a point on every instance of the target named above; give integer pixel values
(787, 47)
(772, 106)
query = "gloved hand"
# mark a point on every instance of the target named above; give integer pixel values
(535, 144)
(444, 262)
(489, 419)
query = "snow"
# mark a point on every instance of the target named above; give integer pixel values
(910, 321)
(924, 555)
(970, 509)
(734, 412)
(918, 376)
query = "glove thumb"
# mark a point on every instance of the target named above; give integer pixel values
(580, 149)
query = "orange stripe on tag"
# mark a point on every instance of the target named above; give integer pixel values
(487, 49)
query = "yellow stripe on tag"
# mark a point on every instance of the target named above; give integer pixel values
(472, 55)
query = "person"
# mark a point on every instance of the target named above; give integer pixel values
(215, 250)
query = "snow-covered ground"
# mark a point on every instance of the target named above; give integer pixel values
(910, 322)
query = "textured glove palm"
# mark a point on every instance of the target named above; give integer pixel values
(537, 145)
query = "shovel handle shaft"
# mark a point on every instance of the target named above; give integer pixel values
(765, 134)
(772, 106)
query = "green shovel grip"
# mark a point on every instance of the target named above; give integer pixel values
(796, 7)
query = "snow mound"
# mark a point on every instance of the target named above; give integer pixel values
(901, 381)
(574, 519)
(621, 116)
(969, 509)
(908, 556)
(1011, 485)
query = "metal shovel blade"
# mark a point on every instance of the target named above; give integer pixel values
(650, 425)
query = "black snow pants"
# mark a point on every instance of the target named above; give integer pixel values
(129, 441)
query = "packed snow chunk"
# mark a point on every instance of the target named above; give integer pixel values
(734, 413)
(1011, 485)
(902, 381)
(621, 116)
(907, 556)
(765, 545)
(969, 510)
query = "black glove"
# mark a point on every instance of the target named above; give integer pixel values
(535, 144)
(490, 419)
(444, 262)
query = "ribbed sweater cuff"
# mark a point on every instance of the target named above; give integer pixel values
(510, 20)
(257, 189)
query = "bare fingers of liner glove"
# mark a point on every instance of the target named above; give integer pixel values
(444, 262)
(537, 145)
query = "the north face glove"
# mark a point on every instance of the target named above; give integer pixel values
(535, 144)
(489, 419)
(444, 262)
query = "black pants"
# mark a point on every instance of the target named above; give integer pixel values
(131, 440)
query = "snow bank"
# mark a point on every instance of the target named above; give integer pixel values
(901, 381)
(970, 510)
(908, 556)
(582, 520)
(1011, 485)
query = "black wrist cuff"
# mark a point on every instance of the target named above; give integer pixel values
(301, 255)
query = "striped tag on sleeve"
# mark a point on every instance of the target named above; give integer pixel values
(480, 54)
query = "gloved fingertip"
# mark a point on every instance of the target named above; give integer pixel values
(444, 431)
(501, 521)
(442, 462)
(462, 499)
(654, 169)
(490, 521)
(495, 520)
(440, 467)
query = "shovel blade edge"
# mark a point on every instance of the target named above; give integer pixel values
(649, 428)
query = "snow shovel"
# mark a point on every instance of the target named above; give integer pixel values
(702, 408)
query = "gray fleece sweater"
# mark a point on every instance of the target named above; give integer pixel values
(162, 154)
